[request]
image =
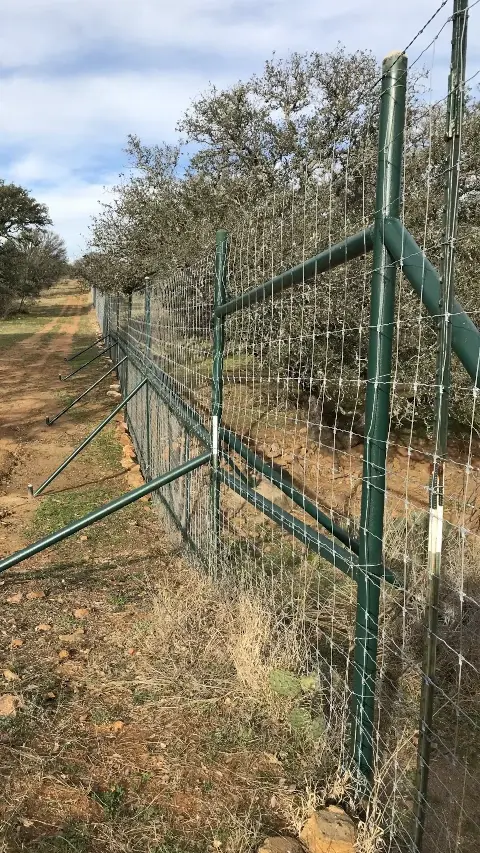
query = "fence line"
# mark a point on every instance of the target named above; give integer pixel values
(294, 439)
(276, 379)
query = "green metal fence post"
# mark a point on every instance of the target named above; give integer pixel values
(382, 307)
(129, 320)
(217, 372)
(148, 347)
(455, 108)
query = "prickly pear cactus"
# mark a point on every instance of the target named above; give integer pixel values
(285, 683)
(305, 726)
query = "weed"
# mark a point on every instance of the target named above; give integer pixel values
(112, 800)
(73, 837)
(119, 600)
(141, 697)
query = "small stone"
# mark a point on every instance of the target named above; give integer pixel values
(115, 386)
(72, 638)
(8, 705)
(9, 675)
(35, 595)
(81, 612)
(43, 627)
(275, 451)
(64, 654)
(16, 643)
(115, 395)
(15, 599)
(329, 831)
(83, 538)
(278, 844)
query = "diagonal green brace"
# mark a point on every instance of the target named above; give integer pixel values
(426, 283)
(280, 480)
(330, 550)
(77, 354)
(82, 366)
(89, 438)
(50, 421)
(104, 511)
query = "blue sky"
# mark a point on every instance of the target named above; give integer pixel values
(77, 76)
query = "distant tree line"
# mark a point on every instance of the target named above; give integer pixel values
(286, 161)
(31, 256)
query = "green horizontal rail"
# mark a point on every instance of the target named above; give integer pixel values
(50, 421)
(82, 366)
(337, 555)
(287, 487)
(89, 438)
(425, 281)
(104, 511)
(77, 354)
(350, 248)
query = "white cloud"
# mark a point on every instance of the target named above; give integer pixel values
(41, 30)
(72, 204)
(64, 111)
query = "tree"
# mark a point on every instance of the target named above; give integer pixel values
(31, 262)
(19, 211)
(286, 161)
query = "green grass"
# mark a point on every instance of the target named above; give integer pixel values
(111, 801)
(57, 511)
(105, 450)
(73, 838)
(18, 327)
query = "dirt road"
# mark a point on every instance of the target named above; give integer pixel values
(29, 385)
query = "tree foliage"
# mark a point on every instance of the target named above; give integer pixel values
(295, 145)
(31, 257)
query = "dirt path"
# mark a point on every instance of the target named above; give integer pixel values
(29, 449)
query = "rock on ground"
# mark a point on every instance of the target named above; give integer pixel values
(278, 844)
(329, 831)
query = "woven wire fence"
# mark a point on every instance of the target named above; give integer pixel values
(295, 376)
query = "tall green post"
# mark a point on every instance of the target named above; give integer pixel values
(129, 321)
(377, 406)
(446, 308)
(148, 355)
(217, 373)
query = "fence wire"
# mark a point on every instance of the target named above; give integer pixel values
(295, 377)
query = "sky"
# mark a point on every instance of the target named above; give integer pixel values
(77, 76)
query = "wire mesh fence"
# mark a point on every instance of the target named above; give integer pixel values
(283, 395)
